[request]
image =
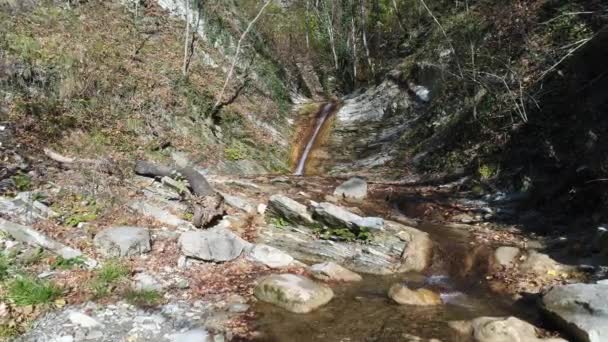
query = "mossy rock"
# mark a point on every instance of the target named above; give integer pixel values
(292, 292)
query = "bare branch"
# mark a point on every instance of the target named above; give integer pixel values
(218, 101)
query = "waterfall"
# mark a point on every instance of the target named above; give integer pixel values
(321, 118)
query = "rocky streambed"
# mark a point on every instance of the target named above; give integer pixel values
(304, 259)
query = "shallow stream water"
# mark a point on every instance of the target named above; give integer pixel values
(363, 312)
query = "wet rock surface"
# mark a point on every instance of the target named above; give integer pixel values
(334, 272)
(419, 297)
(502, 329)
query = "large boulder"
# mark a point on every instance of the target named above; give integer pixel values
(332, 271)
(270, 256)
(582, 309)
(504, 329)
(420, 297)
(396, 249)
(122, 241)
(336, 216)
(217, 245)
(289, 209)
(354, 189)
(292, 292)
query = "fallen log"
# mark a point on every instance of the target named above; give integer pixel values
(207, 205)
(105, 165)
(196, 181)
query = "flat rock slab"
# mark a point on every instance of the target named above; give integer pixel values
(32, 237)
(123, 241)
(291, 210)
(354, 188)
(332, 271)
(292, 292)
(582, 309)
(395, 249)
(336, 216)
(25, 209)
(502, 329)
(217, 245)
(270, 256)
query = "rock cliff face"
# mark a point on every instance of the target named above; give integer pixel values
(367, 128)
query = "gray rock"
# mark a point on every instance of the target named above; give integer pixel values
(146, 282)
(217, 245)
(123, 241)
(371, 222)
(270, 256)
(238, 203)
(159, 214)
(582, 309)
(83, 320)
(32, 237)
(336, 216)
(290, 209)
(332, 271)
(292, 292)
(354, 188)
(506, 255)
(25, 209)
(395, 249)
(503, 329)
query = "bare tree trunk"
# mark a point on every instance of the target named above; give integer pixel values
(186, 39)
(364, 35)
(218, 101)
(398, 14)
(354, 37)
(307, 26)
(330, 31)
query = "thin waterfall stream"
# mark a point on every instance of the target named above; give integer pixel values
(322, 116)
